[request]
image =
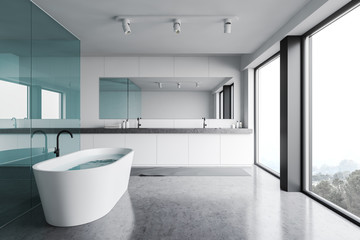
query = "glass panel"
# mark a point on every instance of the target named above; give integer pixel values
(134, 100)
(335, 115)
(113, 98)
(269, 115)
(15, 151)
(55, 90)
(35, 53)
(50, 104)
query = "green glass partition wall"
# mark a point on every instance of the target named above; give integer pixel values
(15, 81)
(55, 83)
(39, 95)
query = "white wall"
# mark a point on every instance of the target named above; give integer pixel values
(94, 67)
(172, 104)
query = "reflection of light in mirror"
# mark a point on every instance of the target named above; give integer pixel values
(50, 104)
(13, 100)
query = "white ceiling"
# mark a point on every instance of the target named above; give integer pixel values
(92, 21)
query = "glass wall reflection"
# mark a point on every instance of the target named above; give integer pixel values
(39, 95)
(55, 88)
(15, 81)
(119, 98)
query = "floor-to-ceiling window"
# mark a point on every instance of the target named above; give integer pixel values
(333, 112)
(268, 114)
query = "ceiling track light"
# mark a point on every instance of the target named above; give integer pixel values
(227, 25)
(126, 25)
(178, 84)
(177, 26)
(125, 19)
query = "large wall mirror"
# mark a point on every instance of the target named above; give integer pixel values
(162, 98)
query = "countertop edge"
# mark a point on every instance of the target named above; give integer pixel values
(132, 130)
(168, 130)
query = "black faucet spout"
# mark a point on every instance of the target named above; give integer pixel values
(57, 150)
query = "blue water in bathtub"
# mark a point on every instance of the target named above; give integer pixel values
(95, 163)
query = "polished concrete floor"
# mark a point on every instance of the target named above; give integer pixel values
(245, 207)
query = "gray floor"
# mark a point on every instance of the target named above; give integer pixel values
(198, 208)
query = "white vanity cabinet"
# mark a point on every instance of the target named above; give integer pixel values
(179, 149)
(204, 149)
(144, 146)
(172, 149)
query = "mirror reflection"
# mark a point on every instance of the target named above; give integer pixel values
(14, 101)
(165, 98)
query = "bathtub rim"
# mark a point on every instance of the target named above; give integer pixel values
(48, 163)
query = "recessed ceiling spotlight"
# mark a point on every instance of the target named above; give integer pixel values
(227, 25)
(126, 26)
(177, 26)
(178, 85)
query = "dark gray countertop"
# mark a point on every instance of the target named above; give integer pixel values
(168, 130)
(132, 130)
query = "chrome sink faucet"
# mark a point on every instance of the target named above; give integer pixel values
(138, 122)
(45, 136)
(204, 122)
(15, 123)
(57, 150)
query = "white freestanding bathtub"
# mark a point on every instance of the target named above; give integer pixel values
(74, 197)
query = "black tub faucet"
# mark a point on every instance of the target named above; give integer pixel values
(204, 122)
(42, 132)
(57, 150)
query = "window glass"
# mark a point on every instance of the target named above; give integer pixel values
(268, 126)
(335, 115)
(13, 100)
(50, 104)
